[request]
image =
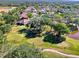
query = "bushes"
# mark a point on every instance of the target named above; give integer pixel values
(56, 35)
(2, 37)
(5, 28)
(30, 15)
(46, 19)
(35, 28)
(31, 34)
(10, 19)
(25, 51)
(62, 28)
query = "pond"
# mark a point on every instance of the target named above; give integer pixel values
(75, 35)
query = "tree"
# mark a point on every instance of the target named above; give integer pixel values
(57, 17)
(30, 15)
(25, 51)
(1, 20)
(5, 28)
(2, 37)
(52, 37)
(46, 20)
(39, 13)
(8, 18)
(56, 35)
(35, 28)
(36, 6)
(61, 28)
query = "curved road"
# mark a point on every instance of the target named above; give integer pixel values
(44, 50)
(55, 51)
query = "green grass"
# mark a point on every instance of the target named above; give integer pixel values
(70, 46)
(53, 55)
(14, 37)
(74, 45)
(38, 41)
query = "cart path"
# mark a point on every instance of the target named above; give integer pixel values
(55, 51)
(44, 50)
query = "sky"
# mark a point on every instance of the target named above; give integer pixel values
(70, 0)
(56, 0)
(37, 0)
(75, 0)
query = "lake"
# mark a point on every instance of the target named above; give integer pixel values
(75, 35)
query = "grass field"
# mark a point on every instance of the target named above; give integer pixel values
(70, 46)
(53, 55)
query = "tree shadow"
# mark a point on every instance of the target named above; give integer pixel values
(22, 31)
(54, 39)
(30, 33)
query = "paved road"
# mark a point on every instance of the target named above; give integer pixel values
(55, 51)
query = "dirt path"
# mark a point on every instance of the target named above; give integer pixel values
(55, 51)
(44, 50)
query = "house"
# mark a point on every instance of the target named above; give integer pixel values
(30, 9)
(43, 10)
(76, 22)
(24, 20)
(23, 15)
(35, 14)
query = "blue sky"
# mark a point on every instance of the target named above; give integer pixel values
(39, 0)
(62, 0)
(74, 0)
(70, 0)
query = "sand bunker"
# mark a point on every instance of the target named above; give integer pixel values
(6, 9)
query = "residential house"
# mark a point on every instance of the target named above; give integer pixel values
(42, 10)
(24, 20)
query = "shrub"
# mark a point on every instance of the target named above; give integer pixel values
(5, 28)
(25, 51)
(30, 15)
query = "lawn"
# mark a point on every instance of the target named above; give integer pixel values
(14, 37)
(39, 43)
(53, 55)
(70, 46)
(74, 45)
(74, 32)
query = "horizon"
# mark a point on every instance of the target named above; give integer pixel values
(39, 0)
